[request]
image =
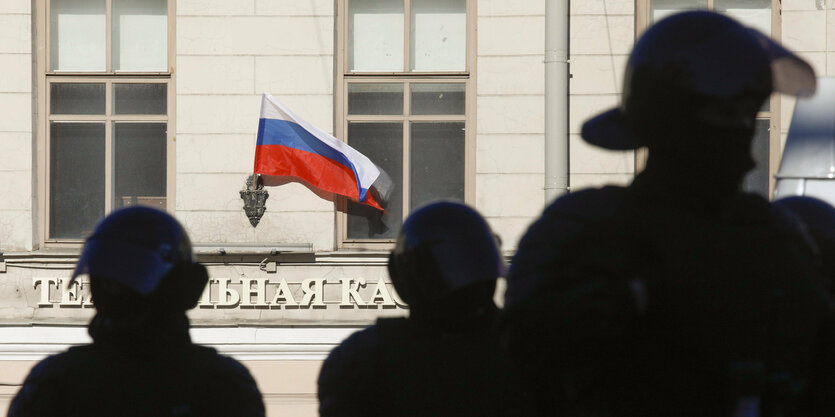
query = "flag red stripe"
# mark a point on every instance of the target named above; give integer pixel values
(319, 171)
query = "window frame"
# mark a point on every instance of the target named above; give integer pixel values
(642, 22)
(46, 77)
(344, 77)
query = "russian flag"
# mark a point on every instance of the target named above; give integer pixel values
(289, 146)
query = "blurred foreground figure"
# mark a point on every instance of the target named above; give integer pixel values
(141, 361)
(678, 295)
(819, 219)
(444, 359)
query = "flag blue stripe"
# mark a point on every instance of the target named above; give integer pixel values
(292, 135)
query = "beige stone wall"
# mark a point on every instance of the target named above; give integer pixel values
(228, 53)
(602, 33)
(16, 136)
(12, 374)
(288, 387)
(510, 115)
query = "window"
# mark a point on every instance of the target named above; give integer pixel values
(765, 147)
(106, 95)
(405, 101)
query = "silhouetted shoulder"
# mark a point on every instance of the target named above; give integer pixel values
(348, 374)
(229, 379)
(221, 364)
(588, 204)
(562, 223)
(91, 380)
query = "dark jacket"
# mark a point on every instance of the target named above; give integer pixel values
(640, 301)
(142, 367)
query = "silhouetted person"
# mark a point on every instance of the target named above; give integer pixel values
(141, 361)
(444, 359)
(818, 218)
(679, 295)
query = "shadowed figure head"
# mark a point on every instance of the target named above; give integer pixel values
(140, 259)
(693, 86)
(446, 262)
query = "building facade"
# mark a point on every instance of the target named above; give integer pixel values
(111, 103)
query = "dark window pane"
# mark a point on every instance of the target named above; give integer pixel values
(383, 144)
(437, 163)
(437, 98)
(375, 99)
(76, 98)
(139, 164)
(140, 98)
(76, 179)
(757, 179)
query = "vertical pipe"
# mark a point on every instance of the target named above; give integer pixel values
(556, 99)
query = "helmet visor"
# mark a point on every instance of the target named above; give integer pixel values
(133, 265)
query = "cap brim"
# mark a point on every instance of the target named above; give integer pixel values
(790, 74)
(142, 271)
(609, 130)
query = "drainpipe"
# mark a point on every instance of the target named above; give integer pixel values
(556, 99)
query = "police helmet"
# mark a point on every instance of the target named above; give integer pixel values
(135, 249)
(443, 247)
(696, 68)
